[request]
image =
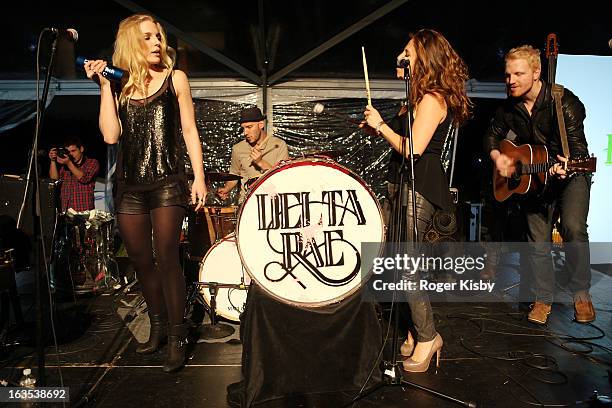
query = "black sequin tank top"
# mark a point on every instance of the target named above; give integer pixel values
(151, 146)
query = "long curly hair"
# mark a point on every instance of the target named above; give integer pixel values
(130, 55)
(439, 69)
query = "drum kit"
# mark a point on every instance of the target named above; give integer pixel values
(222, 282)
(84, 253)
(297, 235)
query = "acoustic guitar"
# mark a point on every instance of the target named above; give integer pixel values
(531, 166)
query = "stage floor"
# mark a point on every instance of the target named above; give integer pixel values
(492, 356)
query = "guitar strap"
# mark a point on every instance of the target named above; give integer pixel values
(557, 92)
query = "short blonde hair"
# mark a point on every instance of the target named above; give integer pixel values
(528, 53)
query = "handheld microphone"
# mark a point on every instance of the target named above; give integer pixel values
(110, 72)
(70, 33)
(319, 108)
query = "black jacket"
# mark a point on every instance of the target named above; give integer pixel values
(541, 127)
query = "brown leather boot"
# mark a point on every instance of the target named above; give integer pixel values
(539, 313)
(584, 312)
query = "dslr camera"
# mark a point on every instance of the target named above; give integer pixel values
(62, 152)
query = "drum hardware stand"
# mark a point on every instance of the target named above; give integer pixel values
(128, 287)
(216, 330)
(217, 223)
(217, 220)
(392, 374)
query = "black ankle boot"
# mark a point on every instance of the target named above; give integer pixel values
(157, 336)
(177, 344)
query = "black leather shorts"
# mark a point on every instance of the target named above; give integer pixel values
(142, 202)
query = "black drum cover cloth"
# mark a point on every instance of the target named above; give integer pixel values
(291, 351)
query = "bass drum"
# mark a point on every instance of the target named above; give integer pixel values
(221, 265)
(301, 228)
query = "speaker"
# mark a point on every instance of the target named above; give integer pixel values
(443, 227)
(11, 196)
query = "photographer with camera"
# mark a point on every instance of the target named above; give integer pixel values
(78, 175)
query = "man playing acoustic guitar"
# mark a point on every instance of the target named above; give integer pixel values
(529, 114)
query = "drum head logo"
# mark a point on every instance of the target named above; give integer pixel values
(301, 228)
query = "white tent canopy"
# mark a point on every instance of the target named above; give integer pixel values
(293, 91)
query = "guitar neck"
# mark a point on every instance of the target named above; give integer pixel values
(552, 51)
(552, 70)
(575, 166)
(534, 168)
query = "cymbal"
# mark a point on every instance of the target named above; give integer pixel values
(332, 154)
(220, 176)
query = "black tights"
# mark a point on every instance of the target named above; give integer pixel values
(163, 286)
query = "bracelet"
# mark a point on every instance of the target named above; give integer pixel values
(382, 122)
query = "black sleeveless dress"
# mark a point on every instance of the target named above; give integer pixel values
(430, 179)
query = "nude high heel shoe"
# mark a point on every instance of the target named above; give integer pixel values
(421, 366)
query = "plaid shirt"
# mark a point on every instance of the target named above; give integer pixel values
(79, 193)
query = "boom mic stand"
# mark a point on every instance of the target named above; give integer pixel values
(392, 374)
(39, 247)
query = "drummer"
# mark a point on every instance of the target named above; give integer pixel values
(255, 154)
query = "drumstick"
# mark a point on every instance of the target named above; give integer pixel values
(365, 74)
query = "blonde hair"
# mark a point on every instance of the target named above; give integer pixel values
(129, 54)
(439, 69)
(526, 52)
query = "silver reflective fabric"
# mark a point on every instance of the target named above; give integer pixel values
(333, 130)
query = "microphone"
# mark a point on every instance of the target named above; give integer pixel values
(110, 72)
(319, 108)
(403, 63)
(70, 33)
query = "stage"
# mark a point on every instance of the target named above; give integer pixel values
(491, 356)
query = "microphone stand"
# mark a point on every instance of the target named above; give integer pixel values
(39, 246)
(392, 369)
(392, 374)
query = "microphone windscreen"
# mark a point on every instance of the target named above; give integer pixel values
(403, 63)
(318, 108)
